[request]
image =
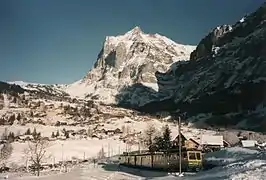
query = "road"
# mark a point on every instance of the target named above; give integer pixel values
(87, 172)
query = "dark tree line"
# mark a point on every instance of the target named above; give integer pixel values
(158, 143)
(163, 142)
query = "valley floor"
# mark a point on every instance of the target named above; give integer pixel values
(252, 167)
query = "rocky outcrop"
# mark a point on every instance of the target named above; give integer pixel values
(225, 34)
(226, 87)
(6, 87)
(209, 44)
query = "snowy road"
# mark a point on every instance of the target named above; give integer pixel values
(88, 172)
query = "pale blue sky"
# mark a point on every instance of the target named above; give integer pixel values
(57, 41)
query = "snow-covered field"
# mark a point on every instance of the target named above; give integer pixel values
(71, 149)
(88, 147)
(252, 167)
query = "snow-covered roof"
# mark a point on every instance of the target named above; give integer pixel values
(212, 140)
(248, 143)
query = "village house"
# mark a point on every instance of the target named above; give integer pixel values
(187, 143)
(61, 138)
(249, 143)
(213, 142)
(23, 138)
(191, 144)
(50, 106)
(175, 141)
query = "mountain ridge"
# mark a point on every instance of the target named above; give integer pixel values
(224, 82)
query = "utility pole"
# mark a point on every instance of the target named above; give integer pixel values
(108, 150)
(27, 165)
(62, 153)
(119, 149)
(180, 144)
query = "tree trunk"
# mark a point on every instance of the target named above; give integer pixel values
(38, 170)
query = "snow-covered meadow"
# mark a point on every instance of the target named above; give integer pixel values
(237, 167)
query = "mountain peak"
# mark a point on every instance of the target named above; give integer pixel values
(134, 33)
(136, 29)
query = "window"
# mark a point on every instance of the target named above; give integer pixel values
(192, 156)
(198, 156)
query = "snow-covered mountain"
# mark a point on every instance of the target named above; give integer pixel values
(125, 60)
(224, 81)
(48, 89)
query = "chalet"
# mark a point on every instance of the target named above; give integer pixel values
(212, 142)
(52, 139)
(24, 138)
(50, 106)
(191, 144)
(117, 131)
(95, 136)
(248, 143)
(187, 143)
(109, 132)
(61, 138)
(175, 141)
(101, 131)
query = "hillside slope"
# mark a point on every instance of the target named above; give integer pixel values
(224, 81)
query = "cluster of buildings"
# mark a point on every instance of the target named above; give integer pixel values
(210, 143)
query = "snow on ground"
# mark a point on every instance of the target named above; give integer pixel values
(76, 147)
(79, 89)
(252, 168)
(229, 155)
(154, 86)
(70, 149)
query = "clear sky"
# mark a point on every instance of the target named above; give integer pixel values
(57, 41)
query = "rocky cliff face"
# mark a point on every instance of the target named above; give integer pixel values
(129, 60)
(224, 82)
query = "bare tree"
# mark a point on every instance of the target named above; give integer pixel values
(5, 135)
(90, 132)
(37, 153)
(101, 153)
(5, 152)
(149, 135)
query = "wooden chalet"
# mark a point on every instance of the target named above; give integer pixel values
(187, 143)
(212, 142)
(175, 141)
(191, 144)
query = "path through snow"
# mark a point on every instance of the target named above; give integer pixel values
(87, 172)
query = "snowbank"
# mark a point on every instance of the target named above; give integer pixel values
(228, 155)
